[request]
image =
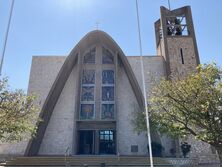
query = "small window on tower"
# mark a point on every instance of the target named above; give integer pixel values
(181, 54)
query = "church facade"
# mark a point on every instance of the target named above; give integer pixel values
(89, 98)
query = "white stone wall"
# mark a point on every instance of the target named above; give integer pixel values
(126, 106)
(154, 70)
(13, 148)
(43, 73)
(59, 133)
(198, 148)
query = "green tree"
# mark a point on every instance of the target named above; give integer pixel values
(18, 114)
(188, 106)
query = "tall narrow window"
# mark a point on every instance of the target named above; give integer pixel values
(107, 94)
(87, 95)
(181, 54)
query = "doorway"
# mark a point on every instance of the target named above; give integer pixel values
(86, 142)
(107, 142)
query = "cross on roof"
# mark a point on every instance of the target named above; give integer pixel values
(97, 25)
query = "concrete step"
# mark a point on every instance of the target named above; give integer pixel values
(87, 161)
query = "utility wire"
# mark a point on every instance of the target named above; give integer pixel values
(144, 88)
(6, 36)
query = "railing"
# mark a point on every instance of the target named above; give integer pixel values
(67, 154)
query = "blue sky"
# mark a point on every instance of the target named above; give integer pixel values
(54, 27)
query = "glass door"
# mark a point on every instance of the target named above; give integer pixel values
(107, 144)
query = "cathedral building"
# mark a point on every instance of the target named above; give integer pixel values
(89, 98)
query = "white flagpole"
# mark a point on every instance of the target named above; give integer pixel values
(144, 88)
(169, 4)
(6, 36)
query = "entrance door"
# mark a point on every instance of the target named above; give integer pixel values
(86, 142)
(107, 144)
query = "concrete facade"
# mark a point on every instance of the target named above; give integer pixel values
(61, 123)
(175, 46)
(59, 133)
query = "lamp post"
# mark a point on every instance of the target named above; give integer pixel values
(144, 88)
(6, 36)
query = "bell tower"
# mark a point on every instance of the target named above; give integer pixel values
(176, 41)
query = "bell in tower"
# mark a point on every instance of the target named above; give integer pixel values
(176, 41)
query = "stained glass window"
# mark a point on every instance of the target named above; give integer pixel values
(107, 108)
(107, 57)
(87, 93)
(90, 57)
(108, 77)
(88, 77)
(108, 93)
(107, 111)
(87, 111)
